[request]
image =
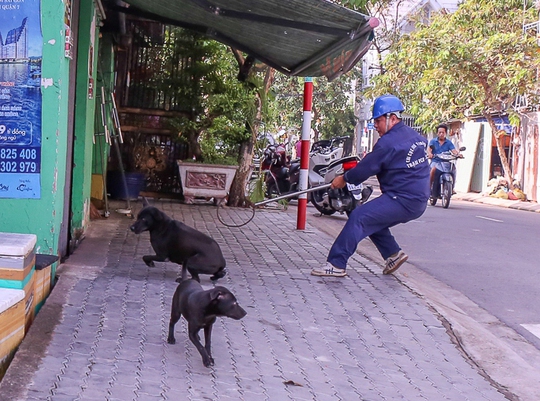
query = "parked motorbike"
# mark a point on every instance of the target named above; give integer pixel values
(278, 168)
(321, 155)
(325, 163)
(329, 201)
(445, 177)
(281, 181)
(282, 174)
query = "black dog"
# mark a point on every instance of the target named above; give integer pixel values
(200, 308)
(176, 242)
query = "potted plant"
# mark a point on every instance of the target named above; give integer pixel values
(205, 180)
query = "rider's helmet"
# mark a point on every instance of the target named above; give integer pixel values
(387, 104)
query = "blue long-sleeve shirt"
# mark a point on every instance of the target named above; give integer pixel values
(399, 160)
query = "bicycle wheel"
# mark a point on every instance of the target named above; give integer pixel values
(446, 194)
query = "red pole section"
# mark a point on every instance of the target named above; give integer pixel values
(304, 154)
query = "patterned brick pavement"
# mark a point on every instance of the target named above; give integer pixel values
(102, 333)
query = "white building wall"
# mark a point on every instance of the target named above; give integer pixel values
(450, 5)
(529, 148)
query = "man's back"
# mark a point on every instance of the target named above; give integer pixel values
(405, 171)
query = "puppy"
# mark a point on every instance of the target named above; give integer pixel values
(200, 309)
(176, 242)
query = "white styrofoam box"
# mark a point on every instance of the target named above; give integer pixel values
(9, 297)
(17, 262)
(13, 244)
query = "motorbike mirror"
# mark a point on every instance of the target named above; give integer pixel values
(462, 148)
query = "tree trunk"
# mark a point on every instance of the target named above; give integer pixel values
(237, 194)
(354, 148)
(194, 146)
(502, 154)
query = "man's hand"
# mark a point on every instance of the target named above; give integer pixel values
(338, 182)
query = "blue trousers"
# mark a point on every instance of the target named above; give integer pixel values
(374, 219)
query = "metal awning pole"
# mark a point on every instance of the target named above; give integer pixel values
(304, 158)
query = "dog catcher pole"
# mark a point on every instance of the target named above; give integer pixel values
(293, 194)
(304, 154)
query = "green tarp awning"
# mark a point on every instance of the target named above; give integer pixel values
(297, 37)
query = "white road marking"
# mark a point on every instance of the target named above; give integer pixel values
(533, 328)
(490, 219)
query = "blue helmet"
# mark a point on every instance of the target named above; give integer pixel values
(386, 104)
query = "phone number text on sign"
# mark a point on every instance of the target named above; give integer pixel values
(19, 160)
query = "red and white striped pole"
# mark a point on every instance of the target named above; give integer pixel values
(304, 154)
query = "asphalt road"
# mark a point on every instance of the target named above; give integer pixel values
(477, 266)
(489, 254)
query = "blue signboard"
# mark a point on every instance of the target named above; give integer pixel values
(370, 126)
(21, 45)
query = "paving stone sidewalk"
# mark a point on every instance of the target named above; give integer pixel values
(102, 333)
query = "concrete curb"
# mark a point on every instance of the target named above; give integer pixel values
(510, 204)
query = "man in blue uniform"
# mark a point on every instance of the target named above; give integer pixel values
(399, 160)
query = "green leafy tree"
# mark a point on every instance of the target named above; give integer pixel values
(389, 31)
(475, 61)
(332, 106)
(218, 103)
(223, 111)
(334, 102)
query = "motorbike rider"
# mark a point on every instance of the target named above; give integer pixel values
(399, 160)
(438, 145)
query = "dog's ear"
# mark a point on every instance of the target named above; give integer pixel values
(217, 295)
(155, 213)
(145, 201)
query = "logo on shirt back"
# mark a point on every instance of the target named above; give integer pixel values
(416, 155)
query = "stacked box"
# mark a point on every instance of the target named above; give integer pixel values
(42, 287)
(42, 281)
(17, 267)
(12, 323)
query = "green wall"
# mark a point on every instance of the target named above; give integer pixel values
(85, 100)
(44, 216)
